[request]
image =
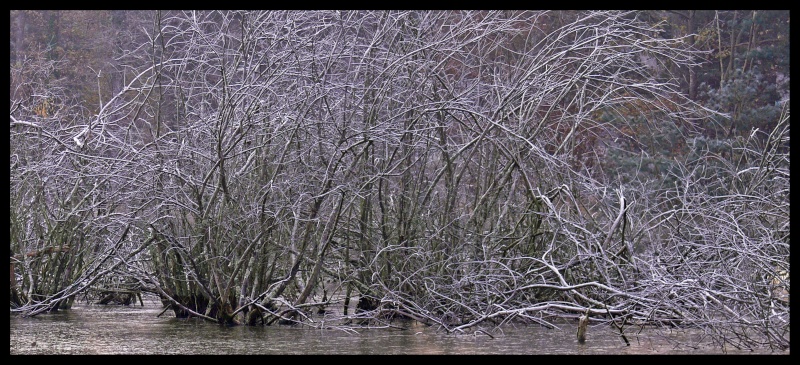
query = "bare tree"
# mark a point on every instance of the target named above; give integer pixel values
(445, 166)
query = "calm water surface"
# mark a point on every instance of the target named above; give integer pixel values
(88, 329)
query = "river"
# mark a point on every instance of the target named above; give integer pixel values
(95, 329)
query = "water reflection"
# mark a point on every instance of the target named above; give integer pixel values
(90, 329)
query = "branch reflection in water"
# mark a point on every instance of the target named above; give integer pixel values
(87, 329)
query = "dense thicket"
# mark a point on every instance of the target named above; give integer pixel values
(461, 168)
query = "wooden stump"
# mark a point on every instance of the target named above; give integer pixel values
(583, 324)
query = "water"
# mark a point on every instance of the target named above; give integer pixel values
(88, 329)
